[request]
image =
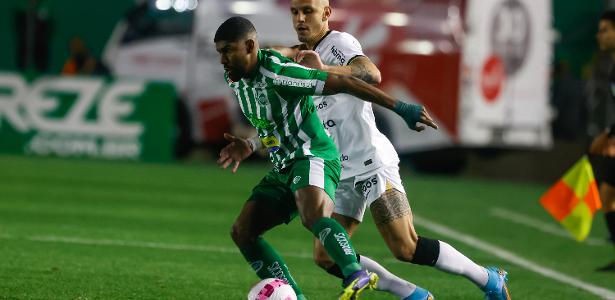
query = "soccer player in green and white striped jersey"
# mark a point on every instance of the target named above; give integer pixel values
(275, 95)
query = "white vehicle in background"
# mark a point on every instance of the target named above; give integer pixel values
(480, 66)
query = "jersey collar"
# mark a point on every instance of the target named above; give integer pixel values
(321, 39)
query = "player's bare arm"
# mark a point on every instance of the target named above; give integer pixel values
(361, 66)
(290, 52)
(237, 150)
(411, 113)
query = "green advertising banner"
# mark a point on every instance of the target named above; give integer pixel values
(91, 117)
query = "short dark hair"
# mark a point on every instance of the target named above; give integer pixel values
(608, 15)
(234, 29)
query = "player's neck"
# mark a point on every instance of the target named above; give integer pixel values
(310, 45)
(253, 68)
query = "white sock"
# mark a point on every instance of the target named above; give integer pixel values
(388, 281)
(452, 261)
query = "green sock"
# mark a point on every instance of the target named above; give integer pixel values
(337, 244)
(268, 263)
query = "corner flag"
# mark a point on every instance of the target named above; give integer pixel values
(574, 199)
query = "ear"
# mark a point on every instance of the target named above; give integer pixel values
(249, 45)
(326, 13)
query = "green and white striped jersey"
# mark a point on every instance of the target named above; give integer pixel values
(277, 100)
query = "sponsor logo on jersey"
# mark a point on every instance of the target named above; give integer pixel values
(301, 83)
(338, 55)
(296, 179)
(368, 185)
(328, 124)
(271, 143)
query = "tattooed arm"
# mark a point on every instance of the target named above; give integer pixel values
(360, 67)
(363, 68)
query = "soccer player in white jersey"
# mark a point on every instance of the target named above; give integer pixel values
(370, 173)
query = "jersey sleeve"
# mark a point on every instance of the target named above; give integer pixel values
(293, 78)
(347, 48)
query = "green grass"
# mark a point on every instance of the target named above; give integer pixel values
(76, 229)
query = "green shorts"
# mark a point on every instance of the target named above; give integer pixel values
(278, 187)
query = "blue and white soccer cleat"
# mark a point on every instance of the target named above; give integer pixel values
(420, 294)
(496, 288)
(357, 283)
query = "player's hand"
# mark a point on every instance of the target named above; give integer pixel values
(310, 59)
(236, 151)
(414, 114)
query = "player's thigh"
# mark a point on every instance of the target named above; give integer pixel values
(314, 181)
(390, 209)
(395, 222)
(384, 193)
(258, 216)
(270, 204)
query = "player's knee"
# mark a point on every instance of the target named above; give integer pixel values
(239, 234)
(404, 251)
(307, 223)
(308, 220)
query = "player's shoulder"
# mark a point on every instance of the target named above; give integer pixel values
(273, 56)
(341, 36)
(274, 61)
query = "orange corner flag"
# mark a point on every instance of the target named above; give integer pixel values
(574, 199)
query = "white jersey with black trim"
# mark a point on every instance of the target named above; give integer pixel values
(350, 120)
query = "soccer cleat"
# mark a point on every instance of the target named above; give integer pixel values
(357, 283)
(496, 288)
(420, 294)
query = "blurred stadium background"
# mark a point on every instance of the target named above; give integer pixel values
(112, 114)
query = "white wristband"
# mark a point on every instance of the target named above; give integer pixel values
(255, 143)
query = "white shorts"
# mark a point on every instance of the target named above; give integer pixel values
(356, 193)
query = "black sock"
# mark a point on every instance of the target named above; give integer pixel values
(427, 252)
(610, 224)
(337, 272)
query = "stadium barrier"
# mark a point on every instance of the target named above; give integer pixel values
(87, 117)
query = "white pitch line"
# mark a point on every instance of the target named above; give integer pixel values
(522, 219)
(142, 244)
(513, 258)
(430, 225)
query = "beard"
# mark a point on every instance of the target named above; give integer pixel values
(234, 74)
(303, 38)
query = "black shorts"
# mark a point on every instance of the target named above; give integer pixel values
(604, 168)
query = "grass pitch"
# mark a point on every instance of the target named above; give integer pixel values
(77, 229)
